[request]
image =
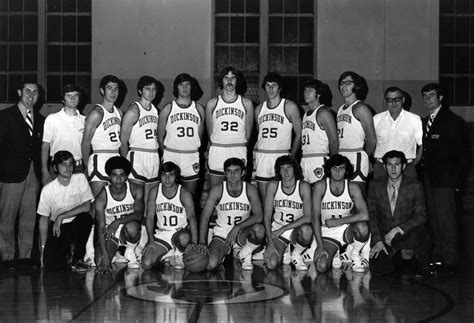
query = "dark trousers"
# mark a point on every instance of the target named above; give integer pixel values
(73, 240)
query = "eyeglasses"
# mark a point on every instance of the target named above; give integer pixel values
(346, 83)
(397, 99)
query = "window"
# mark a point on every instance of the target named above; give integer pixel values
(456, 50)
(287, 47)
(53, 56)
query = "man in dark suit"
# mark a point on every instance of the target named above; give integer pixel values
(21, 132)
(397, 215)
(446, 160)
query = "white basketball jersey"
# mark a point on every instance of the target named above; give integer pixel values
(274, 128)
(314, 140)
(144, 131)
(287, 207)
(228, 122)
(349, 129)
(182, 128)
(232, 210)
(170, 212)
(333, 206)
(116, 209)
(107, 134)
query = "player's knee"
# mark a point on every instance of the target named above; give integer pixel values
(303, 235)
(407, 253)
(272, 263)
(213, 263)
(361, 231)
(257, 234)
(322, 265)
(183, 238)
(133, 230)
(146, 263)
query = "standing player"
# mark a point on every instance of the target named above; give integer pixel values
(229, 120)
(339, 206)
(63, 131)
(176, 224)
(276, 118)
(355, 126)
(119, 210)
(319, 133)
(234, 201)
(181, 128)
(288, 215)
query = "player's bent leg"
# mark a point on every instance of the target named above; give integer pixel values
(131, 233)
(151, 257)
(324, 266)
(250, 239)
(359, 233)
(180, 241)
(301, 237)
(276, 259)
(218, 249)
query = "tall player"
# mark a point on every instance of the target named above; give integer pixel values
(339, 206)
(176, 225)
(138, 136)
(319, 133)
(287, 216)
(229, 121)
(355, 126)
(180, 130)
(239, 213)
(276, 118)
(119, 210)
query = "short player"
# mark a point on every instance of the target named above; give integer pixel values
(287, 216)
(355, 126)
(181, 129)
(119, 210)
(176, 227)
(276, 119)
(239, 213)
(229, 121)
(319, 130)
(342, 211)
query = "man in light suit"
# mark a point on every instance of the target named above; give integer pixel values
(21, 131)
(397, 215)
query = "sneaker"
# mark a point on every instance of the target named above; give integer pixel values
(119, 259)
(246, 258)
(298, 262)
(90, 262)
(346, 255)
(79, 266)
(357, 263)
(138, 253)
(177, 260)
(336, 260)
(131, 258)
(287, 256)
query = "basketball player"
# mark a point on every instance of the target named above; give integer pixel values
(239, 213)
(319, 133)
(229, 121)
(119, 210)
(181, 129)
(339, 206)
(287, 215)
(175, 216)
(63, 131)
(275, 118)
(355, 126)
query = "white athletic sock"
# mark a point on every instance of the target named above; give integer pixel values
(251, 246)
(357, 246)
(298, 248)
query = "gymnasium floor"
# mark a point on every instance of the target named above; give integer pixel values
(232, 295)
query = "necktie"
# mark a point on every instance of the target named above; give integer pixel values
(29, 122)
(393, 197)
(429, 123)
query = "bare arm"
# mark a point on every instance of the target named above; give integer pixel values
(211, 104)
(129, 119)
(326, 119)
(162, 125)
(363, 114)
(151, 213)
(202, 114)
(93, 119)
(100, 204)
(44, 162)
(268, 210)
(317, 197)
(293, 114)
(188, 203)
(248, 105)
(212, 198)
(258, 109)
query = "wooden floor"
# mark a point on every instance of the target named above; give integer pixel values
(232, 295)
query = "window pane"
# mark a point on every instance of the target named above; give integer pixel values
(306, 30)
(222, 29)
(291, 83)
(68, 79)
(222, 6)
(446, 6)
(54, 29)
(252, 58)
(14, 82)
(462, 60)
(69, 59)
(275, 30)
(84, 29)
(84, 58)
(3, 5)
(84, 82)
(275, 59)
(446, 59)
(16, 28)
(69, 5)
(237, 57)
(446, 30)
(31, 27)
(462, 30)
(290, 32)
(462, 6)
(291, 6)
(54, 58)
(252, 30)
(3, 88)
(472, 60)
(253, 6)
(253, 88)
(305, 63)
(3, 28)
(15, 58)
(275, 6)
(30, 59)
(84, 5)
(16, 6)
(53, 88)
(30, 5)
(290, 59)
(306, 6)
(53, 6)
(448, 85)
(237, 30)
(221, 58)
(461, 90)
(237, 6)
(3, 57)
(69, 28)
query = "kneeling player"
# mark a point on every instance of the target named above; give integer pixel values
(174, 209)
(342, 210)
(234, 201)
(288, 215)
(119, 210)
